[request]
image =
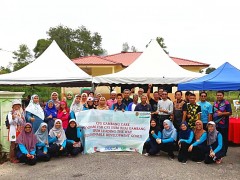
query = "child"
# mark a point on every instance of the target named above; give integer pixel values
(16, 121)
(50, 112)
(63, 114)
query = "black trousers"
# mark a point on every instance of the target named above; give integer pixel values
(167, 147)
(151, 147)
(183, 154)
(209, 160)
(73, 150)
(198, 153)
(224, 132)
(24, 159)
(54, 150)
(41, 156)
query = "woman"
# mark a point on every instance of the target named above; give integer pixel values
(63, 114)
(169, 136)
(215, 145)
(16, 121)
(84, 97)
(73, 135)
(55, 99)
(155, 134)
(185, 139)
(34, 113)
(50, 112)
(102, 105)
(42, 144)
(76, 106)
(69, 98)
(95, 102)
(57, 139)
(27, 141)
(89, 104)
(199, 146)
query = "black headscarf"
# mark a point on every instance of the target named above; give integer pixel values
(184, 134)
(156, 129)
(71, 133)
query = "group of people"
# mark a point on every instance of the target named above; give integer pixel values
(196, 128)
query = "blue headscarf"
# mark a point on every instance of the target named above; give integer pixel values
(184, 134)
(42, 136)
(171, 132)
(52, 110)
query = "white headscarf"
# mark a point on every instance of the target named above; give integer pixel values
(54, 132)
(35, 108)
(42, 136)
(76, 107)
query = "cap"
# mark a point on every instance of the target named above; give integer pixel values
(16, 101)
(212, 123)
(113, 92)
(89, 99)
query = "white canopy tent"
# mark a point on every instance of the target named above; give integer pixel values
(153, 66)
(53, 67)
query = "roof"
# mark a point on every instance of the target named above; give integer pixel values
(127, 58)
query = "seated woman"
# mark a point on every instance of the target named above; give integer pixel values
(63, 114)
(215, 144)
(199, 146)
(27, 145)
(57, 139)
(73, 135)
(50, 112)
(169, 136)
(151, 144)
(89, 104)
(42, 145)
(185, 139)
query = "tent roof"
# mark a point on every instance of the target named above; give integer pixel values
(53, 67)
(153, 66)
(225, 77)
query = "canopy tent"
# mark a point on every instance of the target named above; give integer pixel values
(53, 67)
(153, 66)
(225, 77)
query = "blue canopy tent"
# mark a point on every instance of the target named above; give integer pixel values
(226, 77)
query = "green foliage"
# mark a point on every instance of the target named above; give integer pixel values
(210, 69)
(4, 70)
(160, 41)
(23, 57)
(73, 42)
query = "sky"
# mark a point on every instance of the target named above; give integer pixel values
(207, 31)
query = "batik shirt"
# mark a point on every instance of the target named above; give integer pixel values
(193, 110)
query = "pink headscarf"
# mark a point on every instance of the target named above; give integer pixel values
(27, 139)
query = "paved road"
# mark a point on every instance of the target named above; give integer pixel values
(124, 165)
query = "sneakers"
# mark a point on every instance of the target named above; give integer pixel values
(219, 161)
(199, 162)
(171, 157)
(184, 162)
(146, 154)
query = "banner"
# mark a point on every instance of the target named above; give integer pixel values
(108, 130)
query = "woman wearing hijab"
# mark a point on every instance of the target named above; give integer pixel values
(84, 97)
(73, 134)
(155, 134)
(76, 106)
(34, 113)
(89, 104)
(215, 144)
(185, 139)
(57, 139)
(102, 105)
(199, 146)
(26, 142)
(50, 112)
(63, 114)
(55, 99)
(69, 98)
(42, 144)
(169, 136)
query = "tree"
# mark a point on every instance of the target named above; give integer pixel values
(23, 57)
(160, 41)
(133, 49)
(73, 42)
(125, 47)
(4, 70)
(210, 69)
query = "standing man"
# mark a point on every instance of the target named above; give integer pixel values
(143, 106)
(206, 109)
(133, 104)
(221, 112)
(126, 99)
(160, 91)
(140, 93)
(191, 111)
(178, 109)
(153, 102)
(112, 99)
(119, 106)
(187, 95)
(165, 108)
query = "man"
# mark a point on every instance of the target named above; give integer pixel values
(153, 102)
(178, 109)
(206, 109)
(133, 104)
(112, 99)
(191, 111)
(143, 106)
(165, 108)
(187, 94)
(140, 93)
(126, 99)
(160, 91)
(119, 106)
(221, 112)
